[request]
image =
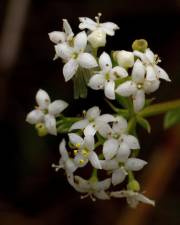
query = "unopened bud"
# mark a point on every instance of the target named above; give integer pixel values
(41, 129)
(56, 36)
(140, 45)
(124, 58)
(97, 38)
(133, 185)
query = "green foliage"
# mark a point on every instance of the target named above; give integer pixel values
(172, 118)
(144, 123)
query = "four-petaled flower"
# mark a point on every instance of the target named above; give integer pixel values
(46, 112)
(84, 150)
(105, 78)
(150, 60)
(138, 86)
(87, 23)
(94, 122)
(74, 55)
(93, 187)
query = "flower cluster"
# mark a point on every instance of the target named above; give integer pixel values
(105, 144)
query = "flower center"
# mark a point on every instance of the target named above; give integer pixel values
(139, 86)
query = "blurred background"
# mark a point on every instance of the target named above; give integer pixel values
(31, 193)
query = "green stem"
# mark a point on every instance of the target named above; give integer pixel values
(159, 108)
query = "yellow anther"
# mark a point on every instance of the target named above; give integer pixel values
(78, 145)
(75, 152)
(85, 152)
(81, 161)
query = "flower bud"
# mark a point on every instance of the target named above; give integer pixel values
(124, 58)
(140, 45)
(97, 38)
(41, 129)
(133, 185)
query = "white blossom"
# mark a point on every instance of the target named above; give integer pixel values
(92, 187)
(138, 86)
(118, 142)
(87, 23)
(105, 78)
(94, 122)
(74, 56)
(84, 151)
(46, 111)
(150, 60)
(133, 198)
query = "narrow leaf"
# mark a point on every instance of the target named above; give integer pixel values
(172, 118)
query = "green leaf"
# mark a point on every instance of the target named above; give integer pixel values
(123, 101)
(172, 118)
(144, 123)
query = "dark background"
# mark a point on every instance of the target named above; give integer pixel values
(31, 193)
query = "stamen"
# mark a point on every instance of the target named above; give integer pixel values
(57, 167)
(78, 145)
(75, 152)
(81, 161)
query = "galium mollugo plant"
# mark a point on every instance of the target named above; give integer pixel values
(108, 143)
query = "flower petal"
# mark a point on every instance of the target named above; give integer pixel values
(102, 185)
(67, 28)
(35, 116)
(80, 41)
(63, 50)
(109, 89)
(138, 71)
(126, 89)
(135, 164)
(56, 107)
(57, 36)
(109, 164)
(87, 23)
(139, 100)
(42, 99)
(123, 152)
(118, 176)
(76, 139)
(105, 118)
(62, 150)
(151, 86)
(150, 55)
(70, 69)
(104, 129)
(131, 141)
(109, 27)
(119, 71)
(50, 123)
(151, 73)
(144, 199)
(120, 125)
(101, 195)
(89, 130)
(105, 61)
(79, 125)
(86, 60)
(97, 82)
(162, 73)
(89, 142)
(93, 158)
(93, 113)
(110, 148)
(80, 160)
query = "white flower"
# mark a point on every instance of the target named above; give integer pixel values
(105, 78)
(93, 187)
(84, 151)
(94, 122)
(65, 161)
(60, 36)
(46, 112)
(87, 23)
(124, 58)
(74, 56)
(150, 60)
(118, 142)
(138, 86)
(133, 198)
